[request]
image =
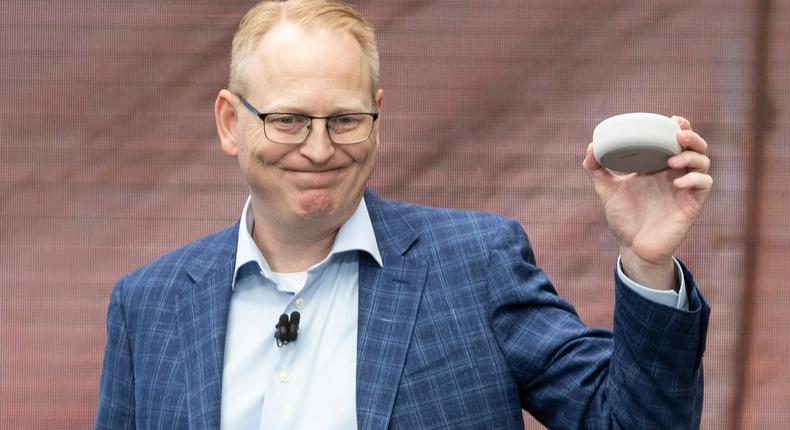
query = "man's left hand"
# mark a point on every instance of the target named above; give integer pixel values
(650, 214)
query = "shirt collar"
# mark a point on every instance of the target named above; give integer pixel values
(356, 234)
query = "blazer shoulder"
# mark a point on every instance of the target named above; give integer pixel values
(190, 260)
(424, 218)
(441, 227)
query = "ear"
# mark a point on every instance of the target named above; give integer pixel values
(227, 121)
(379, 100)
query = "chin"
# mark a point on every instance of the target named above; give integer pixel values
(316, 203)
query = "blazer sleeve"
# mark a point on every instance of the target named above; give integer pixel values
(116, 393)
(645, 374)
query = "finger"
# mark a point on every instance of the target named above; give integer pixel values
(694, 161)
(600, 177)
(694, 180)
(590, 164)
(690, 140)
(682, 122)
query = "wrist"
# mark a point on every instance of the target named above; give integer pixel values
(658, 275)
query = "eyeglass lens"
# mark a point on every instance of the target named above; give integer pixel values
(294, 128)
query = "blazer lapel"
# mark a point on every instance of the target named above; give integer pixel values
(389, 299)
(202, 317)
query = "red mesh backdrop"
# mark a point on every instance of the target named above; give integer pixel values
(108, 159)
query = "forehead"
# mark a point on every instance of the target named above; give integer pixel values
(308, 68)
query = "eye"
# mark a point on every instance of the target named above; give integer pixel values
(346, 121)
(287, 121)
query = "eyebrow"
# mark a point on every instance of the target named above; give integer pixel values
(336, 110)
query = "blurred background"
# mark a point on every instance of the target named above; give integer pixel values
(109, 159)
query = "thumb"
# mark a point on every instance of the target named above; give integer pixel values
(600, 176)
(591, 165)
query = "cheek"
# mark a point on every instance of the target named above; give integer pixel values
(365, 156)
(258, 167)
(259, 156)
(246, 150)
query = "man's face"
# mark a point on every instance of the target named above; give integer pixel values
(319, 73)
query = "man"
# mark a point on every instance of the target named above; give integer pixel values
(411, 317)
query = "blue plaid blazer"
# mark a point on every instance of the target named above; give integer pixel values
(458, 330)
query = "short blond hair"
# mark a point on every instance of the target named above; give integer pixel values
(310, 15)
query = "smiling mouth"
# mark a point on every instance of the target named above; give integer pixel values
(317, 174)
(315, 171)
(316, 178)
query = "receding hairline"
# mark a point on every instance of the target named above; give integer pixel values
(309, 15)
(286, 35)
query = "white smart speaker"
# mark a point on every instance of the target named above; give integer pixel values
(636, 142)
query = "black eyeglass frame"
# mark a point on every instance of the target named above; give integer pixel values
(262, 116)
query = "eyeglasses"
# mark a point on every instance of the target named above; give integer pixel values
(293, 128)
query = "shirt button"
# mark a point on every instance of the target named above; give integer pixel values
(299, 304)
(284, 376)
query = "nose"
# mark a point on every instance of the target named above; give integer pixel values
(318, 147)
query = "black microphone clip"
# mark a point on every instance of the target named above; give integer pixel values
(286, 330)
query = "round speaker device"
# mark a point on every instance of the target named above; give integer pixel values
(636, 142)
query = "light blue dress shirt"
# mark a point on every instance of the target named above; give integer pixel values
(676, 299)
(310, 383)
